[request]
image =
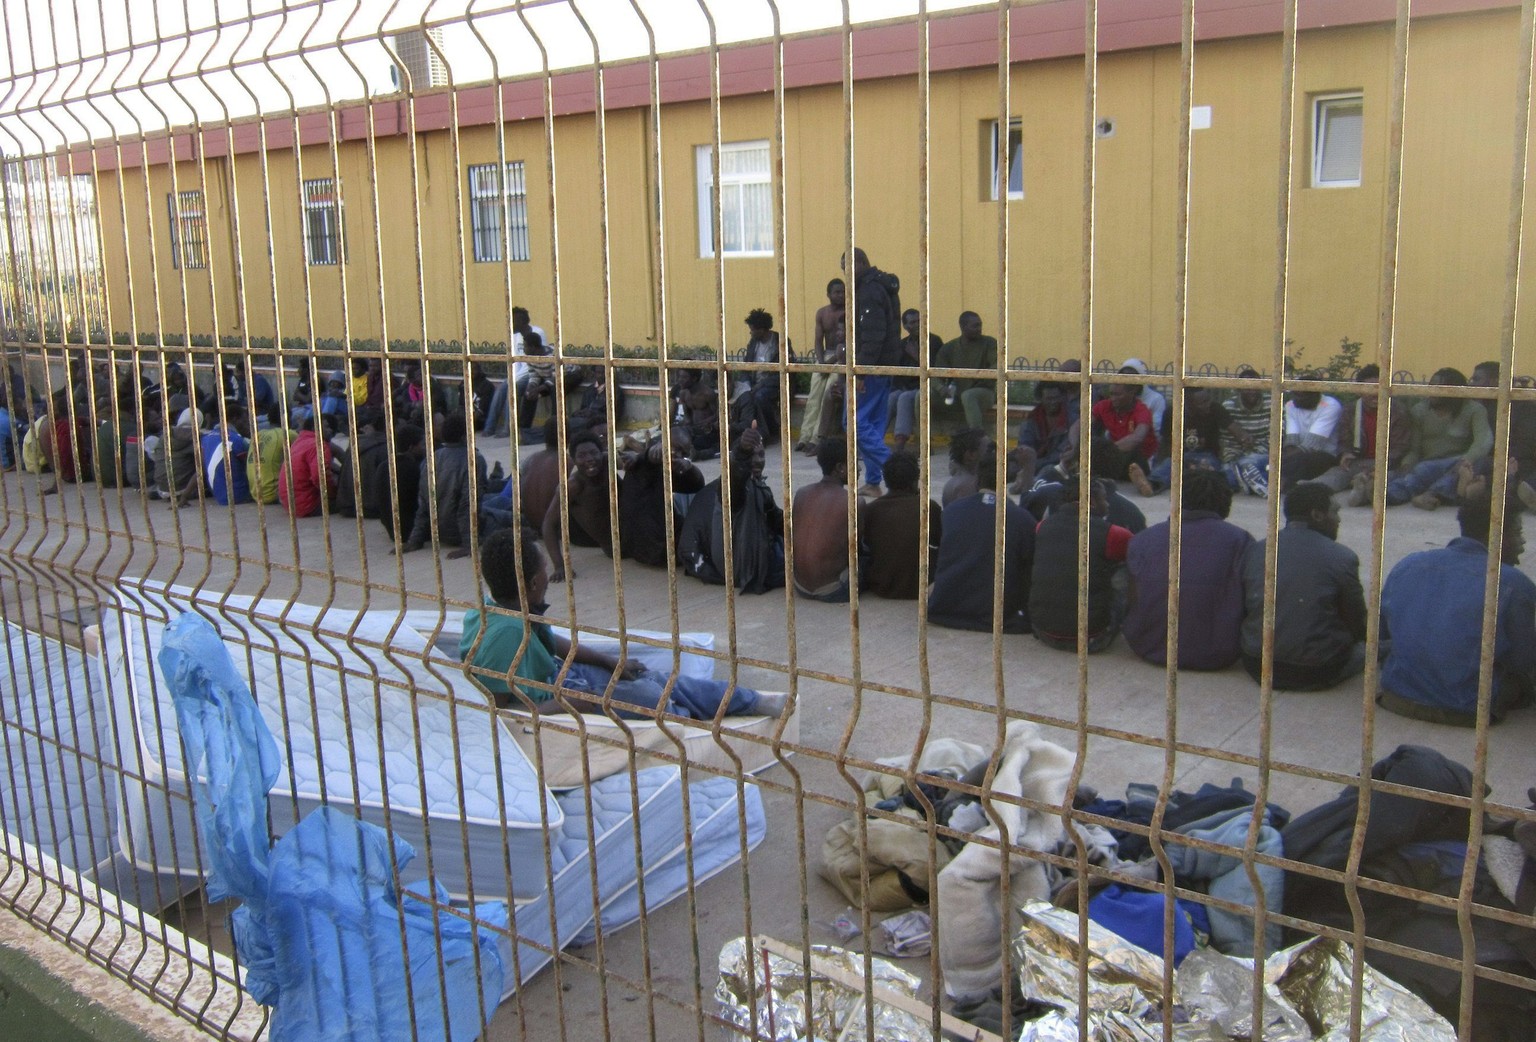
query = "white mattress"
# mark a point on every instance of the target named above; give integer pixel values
(58, 784)
(579, 909)
(383, 752)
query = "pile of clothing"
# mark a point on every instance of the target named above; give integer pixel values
(935, 840)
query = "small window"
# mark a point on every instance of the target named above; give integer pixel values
(1015, 157)
(498, 211)
(1338, 125)
(189, 229)
(746, 200)
(324, 242)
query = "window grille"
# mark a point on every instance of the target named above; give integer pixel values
(324, 241)
(498, 211)
(189, 229)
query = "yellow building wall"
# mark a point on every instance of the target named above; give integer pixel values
(411, 273)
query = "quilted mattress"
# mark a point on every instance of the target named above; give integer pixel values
(410, 747)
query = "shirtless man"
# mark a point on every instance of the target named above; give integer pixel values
(966, 449)
(586, 496)
(827, 348)
(821, 529)
(539, 484)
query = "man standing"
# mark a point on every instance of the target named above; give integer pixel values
(971, 350)
(826, 349)
(821, 570)
(877, 341)
(1210, 580)
(1432, 625)
(1319, 606)
(966, 573)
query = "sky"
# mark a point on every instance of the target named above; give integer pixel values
(76, 70)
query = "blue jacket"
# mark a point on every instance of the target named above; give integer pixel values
(1432, 626)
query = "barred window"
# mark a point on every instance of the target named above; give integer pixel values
(498, 212)
(746, 200)
(189, 229)
(323, 239)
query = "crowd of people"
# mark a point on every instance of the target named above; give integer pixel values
(355, 444)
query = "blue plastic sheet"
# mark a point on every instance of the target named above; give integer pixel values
(327, 940)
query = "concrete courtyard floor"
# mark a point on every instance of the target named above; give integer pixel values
(251, 550)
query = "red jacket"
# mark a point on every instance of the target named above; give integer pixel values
(308, 471)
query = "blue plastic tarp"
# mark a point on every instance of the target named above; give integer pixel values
(326, 939)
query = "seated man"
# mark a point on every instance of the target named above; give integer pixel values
(757, 525)
(1319, 606)
(264, 462)
(492, 640)
(1048, 433)
(906, 391)
(1056, 583)
(965, 576)
(306, 477)
(587, 503)
(224, 453)
(1210, 580)
(1357, 441)
(362, 455)
(538, 478)
(402, 497)
(1432, 625)
(966, 447)
(1446, 432)
(755, 394)
(1047, 491)
(1206, 423)
(892, 531)
(1311, 435)
(696, 406)
(643, 500)
(448, 482)
(1247, 464)
(1126, 422)
(971, 350)
(821, 569)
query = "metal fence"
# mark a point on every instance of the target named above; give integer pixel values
(592, 867)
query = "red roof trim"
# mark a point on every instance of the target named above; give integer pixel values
(1053, 29)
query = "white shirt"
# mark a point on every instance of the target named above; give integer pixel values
(1314, 428)
(520, 369)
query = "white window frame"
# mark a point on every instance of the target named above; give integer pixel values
(1321, 104)
(189, 229)
(1015, 156)
(704, 180)
(498, 213)
(322, 202)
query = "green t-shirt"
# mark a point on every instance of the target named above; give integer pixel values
(503, 638)
(265, 461)
(978, 354)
